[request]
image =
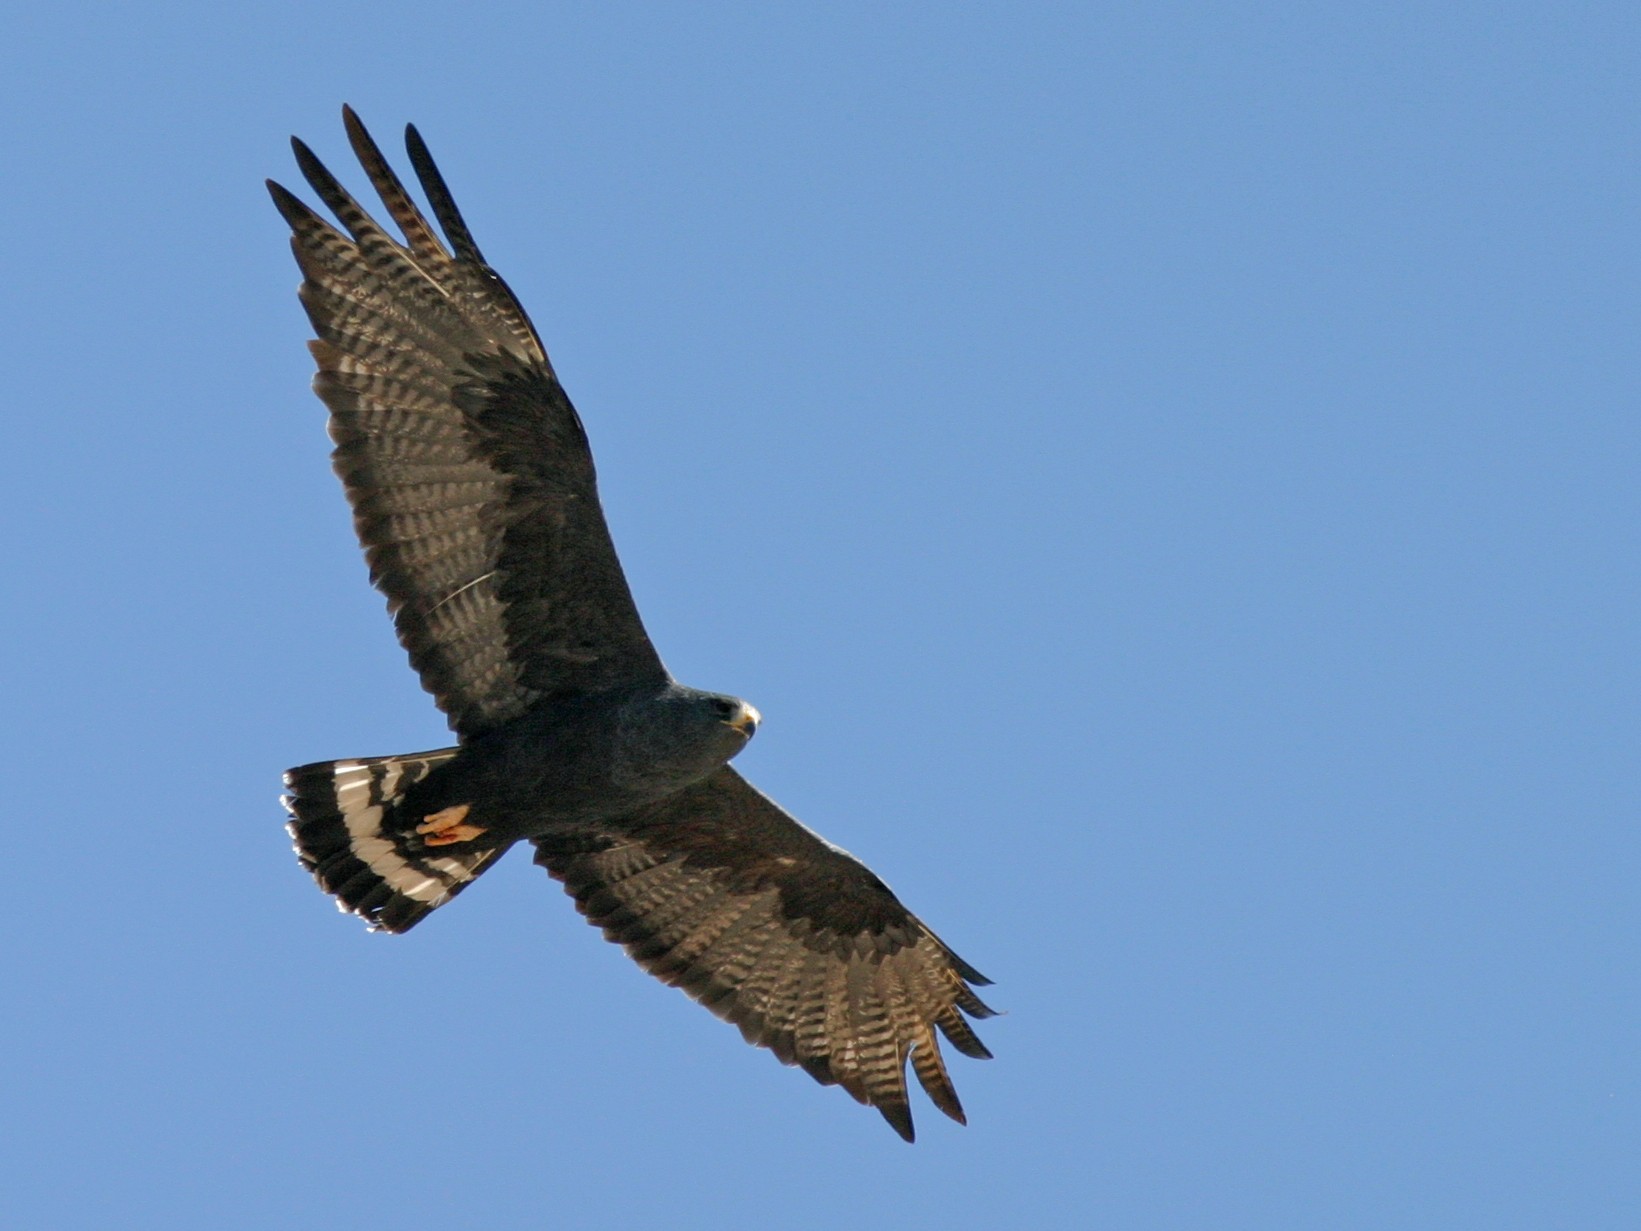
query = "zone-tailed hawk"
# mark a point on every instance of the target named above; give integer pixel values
(473, 493)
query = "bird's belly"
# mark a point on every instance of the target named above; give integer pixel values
(562, 767)
(517, 799)
(554, 805)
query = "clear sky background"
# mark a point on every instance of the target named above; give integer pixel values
(1166, 472)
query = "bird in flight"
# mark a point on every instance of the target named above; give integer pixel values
(474, 497)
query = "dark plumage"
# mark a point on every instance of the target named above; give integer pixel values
(474, 495)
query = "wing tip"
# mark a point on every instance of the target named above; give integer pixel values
(438, 196)
(289, 205)
(899, 1117)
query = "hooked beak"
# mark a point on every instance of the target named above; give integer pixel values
(746, 720)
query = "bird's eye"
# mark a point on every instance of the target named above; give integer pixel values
(723, 708)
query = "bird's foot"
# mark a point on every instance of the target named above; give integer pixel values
(448, 826)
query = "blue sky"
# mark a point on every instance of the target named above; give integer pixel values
(1166, 473)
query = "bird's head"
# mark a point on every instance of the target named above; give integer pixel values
(683, 733)
(721, 724)
(739, 716)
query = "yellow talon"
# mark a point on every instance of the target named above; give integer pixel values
(447, 826)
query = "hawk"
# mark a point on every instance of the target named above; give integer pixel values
(474, 497)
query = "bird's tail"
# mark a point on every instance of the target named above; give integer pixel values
(348, 832)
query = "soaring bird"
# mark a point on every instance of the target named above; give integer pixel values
(474, 497)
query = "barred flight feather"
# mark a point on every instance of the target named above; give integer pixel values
(714, 891)
(347, 832)
(451, 428)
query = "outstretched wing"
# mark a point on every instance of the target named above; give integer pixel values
(718, 891)
(470, 477)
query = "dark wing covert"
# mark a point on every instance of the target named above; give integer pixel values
(720, 892)
(469, 473)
